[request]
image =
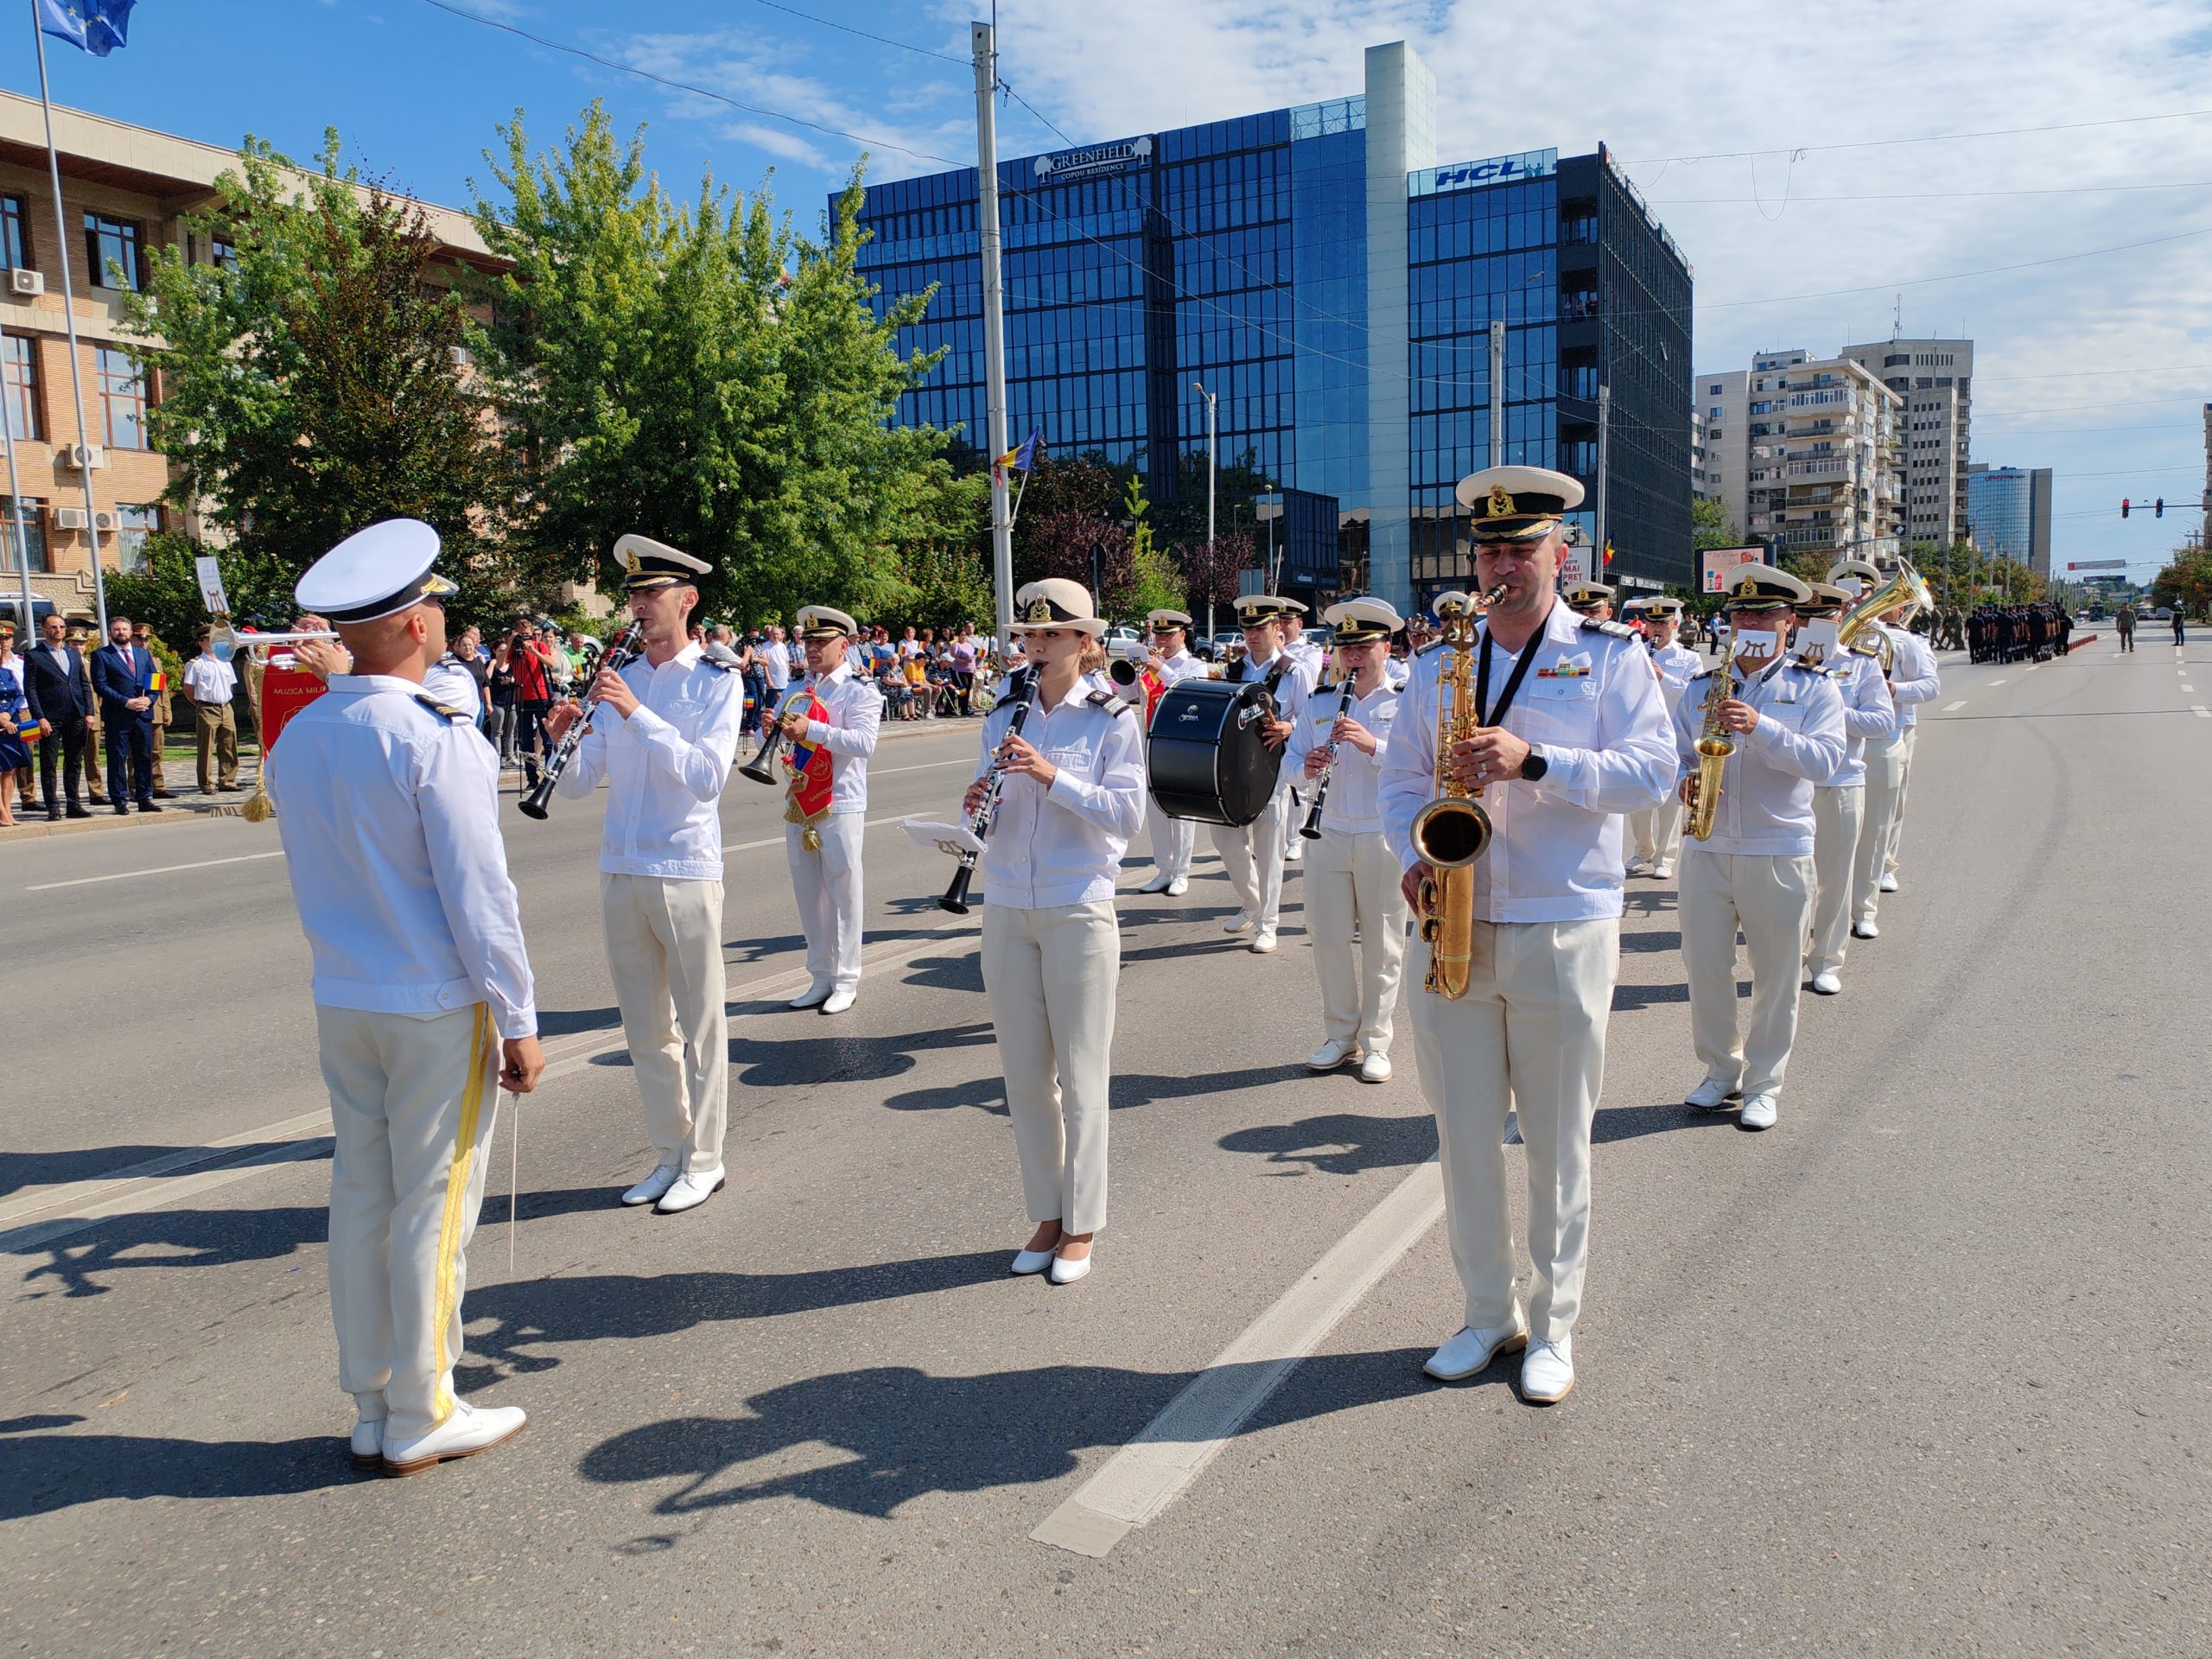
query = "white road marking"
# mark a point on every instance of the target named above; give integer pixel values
(1960, 703)
(926, 766)
(159, 869)
(2200, 711)
(1996, 682)
(777, 841)
(2186, 687)
(1173, 1449)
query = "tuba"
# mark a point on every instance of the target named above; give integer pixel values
(1905, 586)
(1451, 831)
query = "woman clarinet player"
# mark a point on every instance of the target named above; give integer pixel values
(1071, 786)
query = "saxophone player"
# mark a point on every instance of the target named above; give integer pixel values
(1352, 882)
(1564, 730)
(1754, 870)
(1839, 799)
(1658, 833)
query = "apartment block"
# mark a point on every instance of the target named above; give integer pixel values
(1935, 378)
(1805, 451)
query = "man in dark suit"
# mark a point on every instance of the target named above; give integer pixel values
(122, 672)
(59, 693)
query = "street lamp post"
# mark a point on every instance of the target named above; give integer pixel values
(1211, 468)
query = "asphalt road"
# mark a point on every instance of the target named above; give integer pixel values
(1920, 1370)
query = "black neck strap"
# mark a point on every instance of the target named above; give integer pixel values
(1485, 716)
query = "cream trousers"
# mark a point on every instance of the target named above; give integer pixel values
(1351, 883)
(664, 951)
(1658, 831)
(828, 886)
(1530, 1032)
(1888, 770)
(1174, 840)
(412, 1100)
(1837, 814)
(1253, 857)
(1050, 975)
(1769, 897)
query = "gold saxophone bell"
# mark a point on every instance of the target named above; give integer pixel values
(1451, 831)
(1713, 748)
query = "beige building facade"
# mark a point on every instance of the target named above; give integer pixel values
(1807, 450)
(1935, 378)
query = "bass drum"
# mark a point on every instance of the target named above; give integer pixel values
(1205, 753)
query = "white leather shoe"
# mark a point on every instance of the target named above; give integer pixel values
(1828, 982)
(1178, 887)
(1890, 881)
(1237, 922)
(840, 1000)
(1065, 1272)
(1158, 884)
(1331, 1055)
(1032, 1260)
(812, 997)
(692, 1188)
(1294, 852)
(1473, 1350)
(1864, 930)
(367, 1444)
(1548, 1374)
(1711, 1096)
(1376, 1068)
(1664, 869)
(1637, 867)
(470, 1429)
(650, 1190)
(1757, 1114)
(1264, 942)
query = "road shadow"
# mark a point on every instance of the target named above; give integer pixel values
(526, 1314)
(1650, 944)
(905, 1433)
(1633, 1122)
(567, 1022)
(1339, 1143)
(19, 1170)
(789, 1061)
(964, 972)
(1127, 1090)
(48, 1472)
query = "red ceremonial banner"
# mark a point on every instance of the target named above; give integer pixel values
(284, 692)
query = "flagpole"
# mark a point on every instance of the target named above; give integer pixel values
(69, 321)
(16, 502)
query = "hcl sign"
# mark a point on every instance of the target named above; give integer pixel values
(1498, 169)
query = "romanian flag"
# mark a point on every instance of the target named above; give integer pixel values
(159, 681)
(1609, 552)
(1023, 456)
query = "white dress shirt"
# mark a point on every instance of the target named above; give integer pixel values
(454, 685)
(855, 714)
(390, 817)
(1678, 665)
(1354, 803)
(209, 679)
(1766, 787)
(666, 766)
(1591, 704)
(1064, 845)
(1291, 691)
(1181, 666)
(1868, 713)
(1913, 679)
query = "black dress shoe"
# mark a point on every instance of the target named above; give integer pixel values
(54, 814)
(165, 795)
(77, 811)
(121, 810)
(147, 806)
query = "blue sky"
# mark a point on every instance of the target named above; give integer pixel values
(2097, 366)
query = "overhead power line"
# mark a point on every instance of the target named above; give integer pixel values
(881, 40)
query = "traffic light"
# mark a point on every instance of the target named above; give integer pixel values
(2123, 506)
(2161, 511)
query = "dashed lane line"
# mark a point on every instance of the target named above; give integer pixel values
(1996, 682)
(2200, 711)
(159, 869)
(1960, 703)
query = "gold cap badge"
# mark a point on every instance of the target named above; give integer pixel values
(1038, 610)
(1501, 502)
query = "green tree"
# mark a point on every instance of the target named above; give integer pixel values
(166, 594)
(1710, 526)
(316, 383)
(1154, 582)
(2185, 583)
(704, 375)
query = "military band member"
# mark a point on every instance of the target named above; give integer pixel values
(1592, 599)
(838, 715)
(1839, 799)
(1657, 833)
(1174, 840)
(388, 806)
(1314, 660)
(1913, 681)
(1254, 854)
(1352, 880)
(663, 737)
(1571, 732)
(1073, 795)
(1755, 871)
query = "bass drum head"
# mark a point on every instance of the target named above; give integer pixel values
(1202, 763)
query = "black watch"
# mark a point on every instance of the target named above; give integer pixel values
(1534, 768)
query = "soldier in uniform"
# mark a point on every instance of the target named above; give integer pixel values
(1913, 681)
(1658, 832)
(1352, 881)
(1592, 599)
(1839, 799)
(389, 809)
(81, 636)
(1314, 660)
(1755, 872)
(663, 736)
(1569, 733)
(823, 847)
(1174, 840)
(1253, 854)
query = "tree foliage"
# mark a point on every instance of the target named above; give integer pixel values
(702, 375)
(1710, 526)
(1212, 570)
(2186, 582)
(315, 382)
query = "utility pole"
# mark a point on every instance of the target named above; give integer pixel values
(1211, 470)
(1604, 449)
(1497, 392)
(984, 38)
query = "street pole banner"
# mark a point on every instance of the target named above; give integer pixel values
(1720, 561)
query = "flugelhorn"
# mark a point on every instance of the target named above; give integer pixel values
(761, 768)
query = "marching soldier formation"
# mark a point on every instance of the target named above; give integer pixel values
(1484, 800)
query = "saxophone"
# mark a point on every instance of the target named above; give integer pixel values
(1714, 748)
(1451, 831)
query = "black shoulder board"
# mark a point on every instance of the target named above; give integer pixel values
(439, 709)
(1108, 700)
(1804, 667)
(719, 667)
(1600, 625)
(1707, 675)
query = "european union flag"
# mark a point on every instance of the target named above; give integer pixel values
(94, 26)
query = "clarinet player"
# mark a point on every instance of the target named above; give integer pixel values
(1051, 946)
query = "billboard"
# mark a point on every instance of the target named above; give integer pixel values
(2098, 564)
(1716, 564)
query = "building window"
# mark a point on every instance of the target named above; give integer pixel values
(20, 361)
(221, 250)
(15, 231)
(123, 400)
(33, 536)
(132, 527)
(111, 242)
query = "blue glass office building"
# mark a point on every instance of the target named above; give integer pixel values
(1333, 287)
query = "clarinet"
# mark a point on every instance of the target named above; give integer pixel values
(1312, 828)
(617, 657)
(986, 809)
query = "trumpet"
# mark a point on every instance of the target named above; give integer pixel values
(979, 822)
(1451, 831)
(538, 801)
